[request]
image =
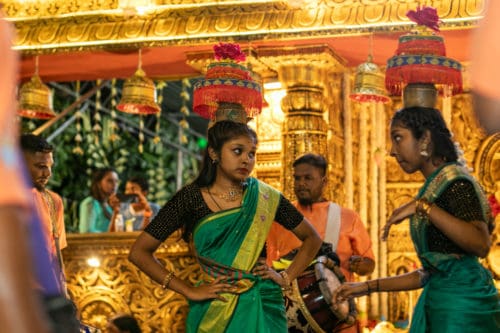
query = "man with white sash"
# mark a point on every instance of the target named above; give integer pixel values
(338, 226)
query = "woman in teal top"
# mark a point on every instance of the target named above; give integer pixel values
(450, 226)
(95, 211)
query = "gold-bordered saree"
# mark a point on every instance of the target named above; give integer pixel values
(229, 243)
(460, 295)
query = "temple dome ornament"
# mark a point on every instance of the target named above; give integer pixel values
(35, 98)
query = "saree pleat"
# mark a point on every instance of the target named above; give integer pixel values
(460, 295)
(229, 243)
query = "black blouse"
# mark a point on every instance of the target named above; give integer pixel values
(187, 207)
(460, 200)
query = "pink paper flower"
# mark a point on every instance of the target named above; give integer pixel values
(229, 51)
(426, 16)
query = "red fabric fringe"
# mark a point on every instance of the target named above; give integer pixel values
(397, 77)
(206, 99)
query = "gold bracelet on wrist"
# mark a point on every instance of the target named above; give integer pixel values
(423, 207)
(166, 281)
(286, 278)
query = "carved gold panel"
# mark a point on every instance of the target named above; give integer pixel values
(117, 286)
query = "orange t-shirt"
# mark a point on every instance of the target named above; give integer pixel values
(353, 238)
(45, 216)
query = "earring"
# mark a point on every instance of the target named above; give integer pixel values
(214, 161)
(423, 150)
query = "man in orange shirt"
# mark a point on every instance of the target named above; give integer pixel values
(338, 226)
(38, 156)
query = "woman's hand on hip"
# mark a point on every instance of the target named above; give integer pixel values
(267, 273)
(212, 290)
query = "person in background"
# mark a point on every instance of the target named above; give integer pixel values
(450, 226)
(123, 323)
(20, 307)
(38, 156)
(485, 72)
(95, 211)
(341, 228)
(138, 211)
(226, 215)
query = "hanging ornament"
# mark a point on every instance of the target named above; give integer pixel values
(184, 109)
(141, 134)
(114, 126)
(78, 124)
(161, 85)
(97, 128)
(139, 93)
(369, 81)
(35, 98)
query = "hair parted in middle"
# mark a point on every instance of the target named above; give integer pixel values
(220, 133)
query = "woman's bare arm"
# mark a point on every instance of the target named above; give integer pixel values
(311, 242)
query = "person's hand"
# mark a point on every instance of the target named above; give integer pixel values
(142, 202)
(398, 215)
(212, 290)
(114, 202)
(349, 290)
(354, 262)
(267, 273)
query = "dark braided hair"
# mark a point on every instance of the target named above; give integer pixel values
(420, 119)
(218, 135)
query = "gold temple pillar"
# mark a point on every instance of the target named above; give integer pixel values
(304, 72)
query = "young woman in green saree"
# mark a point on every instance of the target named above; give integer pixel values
(226, 216)
(450, 226)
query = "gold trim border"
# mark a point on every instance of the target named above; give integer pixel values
(43, 27)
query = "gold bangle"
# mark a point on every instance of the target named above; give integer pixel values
(423, 207)
(166, 281)
(286, 278)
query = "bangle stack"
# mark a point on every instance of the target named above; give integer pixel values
(166, 281)
(286, 278)
(423, 207)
